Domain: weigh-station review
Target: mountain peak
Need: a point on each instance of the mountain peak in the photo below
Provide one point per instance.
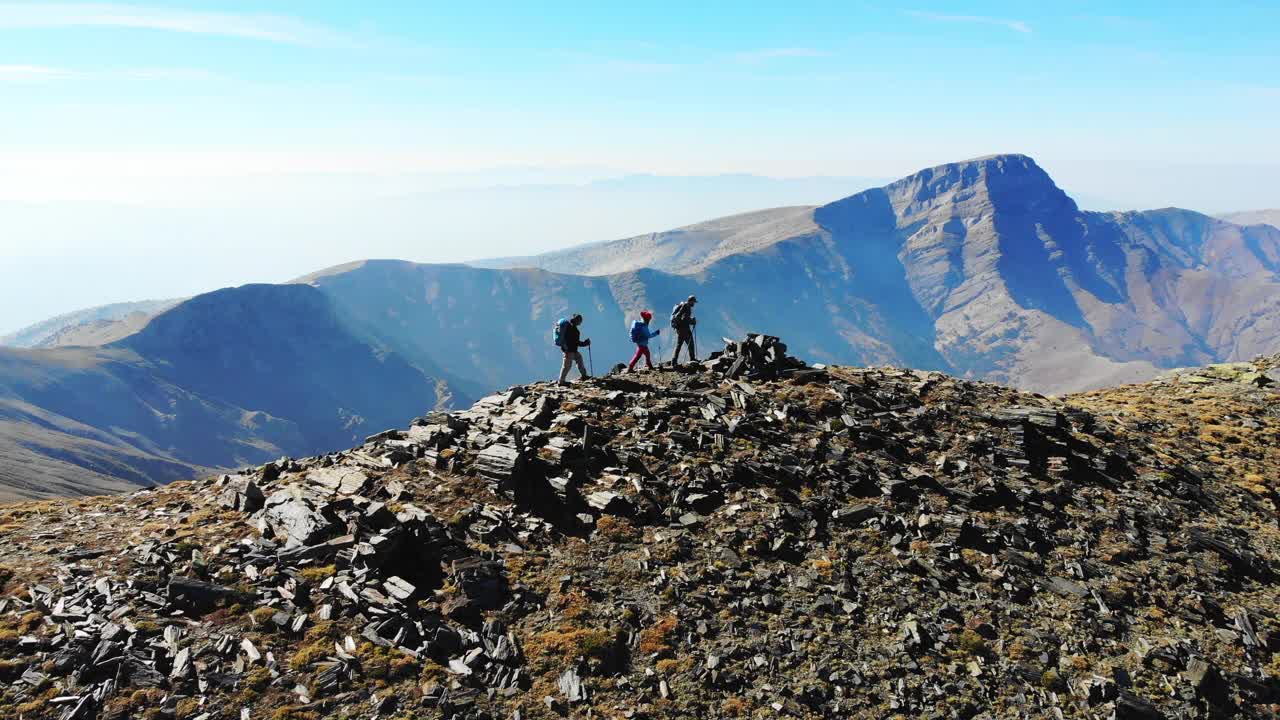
(987, 168)
(1018, 158)
(1011, 183)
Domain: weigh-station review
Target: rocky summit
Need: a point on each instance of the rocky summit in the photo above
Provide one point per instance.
(750, 536)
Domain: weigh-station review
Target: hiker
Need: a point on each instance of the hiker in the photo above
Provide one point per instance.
(641, 335)
(569, 339)
(683, 321)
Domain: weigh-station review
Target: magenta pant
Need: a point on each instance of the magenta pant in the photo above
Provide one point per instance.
(642, 351)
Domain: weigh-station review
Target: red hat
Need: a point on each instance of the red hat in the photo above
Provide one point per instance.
(645, 314)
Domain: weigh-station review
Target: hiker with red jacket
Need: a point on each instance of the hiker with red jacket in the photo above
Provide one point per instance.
(641, 335)
(683, 321)
(569, 338)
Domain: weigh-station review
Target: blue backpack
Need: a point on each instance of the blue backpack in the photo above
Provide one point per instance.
(558, 329)
(639, 331)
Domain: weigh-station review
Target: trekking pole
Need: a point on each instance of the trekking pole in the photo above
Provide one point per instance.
(591, 362)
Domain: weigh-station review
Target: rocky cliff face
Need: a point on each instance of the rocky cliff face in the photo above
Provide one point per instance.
(748, 537)
(1022, 287)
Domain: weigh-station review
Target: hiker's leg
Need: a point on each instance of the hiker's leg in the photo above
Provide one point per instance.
(675, 357)
(648, 359)
(582, 368)
(564, 367)
(641, 351)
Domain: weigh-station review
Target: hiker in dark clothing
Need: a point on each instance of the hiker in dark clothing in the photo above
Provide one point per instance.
(683, 321)
(570, 341)
(641, 335)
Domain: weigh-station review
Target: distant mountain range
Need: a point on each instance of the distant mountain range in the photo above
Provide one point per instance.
(95, 326)
(983, 268)
(684, 250)
(1254, 217)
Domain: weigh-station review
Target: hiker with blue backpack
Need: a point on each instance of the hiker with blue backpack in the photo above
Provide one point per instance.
(568, 338)
(641, 335)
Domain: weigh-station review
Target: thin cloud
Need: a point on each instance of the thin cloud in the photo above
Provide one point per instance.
(624, 65)
(766, 54)
(177, 73)
(713, 62)
(44, 74)
(1015, 25)
(255, 26)
(33, 73)
(640, 67)
(1122, 22)
(1259, 91)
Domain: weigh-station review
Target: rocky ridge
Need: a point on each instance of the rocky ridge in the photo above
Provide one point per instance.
(746, 537)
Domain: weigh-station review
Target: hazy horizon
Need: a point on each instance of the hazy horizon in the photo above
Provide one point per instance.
(166, 148)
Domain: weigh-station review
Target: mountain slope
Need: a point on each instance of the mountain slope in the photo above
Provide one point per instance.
(851, 542)
(43, 454)
(685, 250)
(281, 350)
(490, 326)
(234, 377)
(495, 325)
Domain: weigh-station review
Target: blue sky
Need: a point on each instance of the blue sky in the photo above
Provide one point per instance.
(665, 87)
(123, 123)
